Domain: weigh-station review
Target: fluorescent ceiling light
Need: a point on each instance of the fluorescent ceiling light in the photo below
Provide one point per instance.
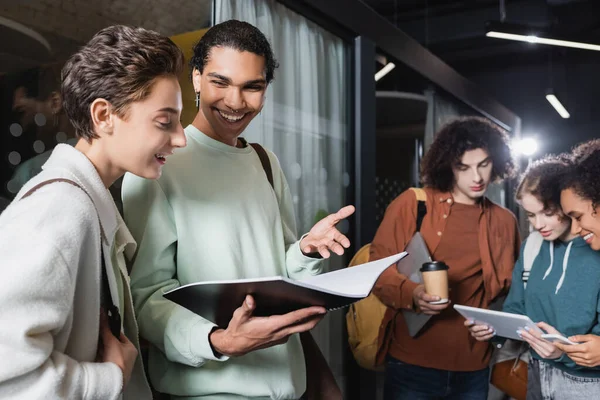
(524, 34)
(560, 109)
(383, 71)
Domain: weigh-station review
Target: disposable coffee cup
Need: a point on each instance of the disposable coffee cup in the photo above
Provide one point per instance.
(435, 279)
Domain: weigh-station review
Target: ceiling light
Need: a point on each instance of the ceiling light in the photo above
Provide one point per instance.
(526, 146)
(383, 71)
(560, 109)
(527, 34)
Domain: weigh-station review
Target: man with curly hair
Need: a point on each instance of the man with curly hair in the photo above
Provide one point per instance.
(476, 238)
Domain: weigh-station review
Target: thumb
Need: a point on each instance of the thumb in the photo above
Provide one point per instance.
(580, 338)
(105, 331)
(249, 305)
(343, 213)
(124, 339)
(560, 346)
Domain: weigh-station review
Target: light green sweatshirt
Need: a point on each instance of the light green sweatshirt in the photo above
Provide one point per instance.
(212, 215)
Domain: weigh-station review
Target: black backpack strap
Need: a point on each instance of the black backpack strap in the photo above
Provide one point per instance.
(421, 205)
(264, 160)
(421, 211)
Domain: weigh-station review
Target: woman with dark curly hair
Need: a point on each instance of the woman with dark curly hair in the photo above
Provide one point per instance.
(555, 282)
(579, 199)
(476, 238)
(581, 192)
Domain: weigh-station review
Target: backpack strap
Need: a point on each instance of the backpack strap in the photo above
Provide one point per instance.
(319, 375)
(264, 160)
(112, 311)
(533, 244)
(421, 205)
(49, 181)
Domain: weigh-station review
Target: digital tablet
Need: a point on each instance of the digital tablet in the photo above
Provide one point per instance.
(505, 324)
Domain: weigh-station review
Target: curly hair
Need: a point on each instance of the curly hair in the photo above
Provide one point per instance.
(459, 136)
(583, 177)
(119, 64)
(237, 35)
(541, 179)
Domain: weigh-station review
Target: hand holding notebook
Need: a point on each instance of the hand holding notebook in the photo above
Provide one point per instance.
(246, 333)
(217, 301)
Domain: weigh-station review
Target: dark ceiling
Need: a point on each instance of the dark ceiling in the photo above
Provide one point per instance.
(517, 74)
(455, 30)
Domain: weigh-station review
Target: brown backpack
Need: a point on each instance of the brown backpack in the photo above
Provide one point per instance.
(364, 318)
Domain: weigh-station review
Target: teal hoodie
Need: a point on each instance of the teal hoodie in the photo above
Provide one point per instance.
(563, 290)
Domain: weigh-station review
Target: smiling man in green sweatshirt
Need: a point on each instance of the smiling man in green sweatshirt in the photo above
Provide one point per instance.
(214, 215)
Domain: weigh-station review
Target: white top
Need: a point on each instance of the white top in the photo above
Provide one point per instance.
(50, 287)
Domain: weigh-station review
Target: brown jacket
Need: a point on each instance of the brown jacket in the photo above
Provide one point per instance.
(499, 243)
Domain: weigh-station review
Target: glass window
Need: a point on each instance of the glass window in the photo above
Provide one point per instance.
(37, 38)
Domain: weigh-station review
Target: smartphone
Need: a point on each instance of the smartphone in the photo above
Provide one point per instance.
(553, 337)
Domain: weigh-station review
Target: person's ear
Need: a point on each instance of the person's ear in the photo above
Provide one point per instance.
(196, 80)
(102, 116)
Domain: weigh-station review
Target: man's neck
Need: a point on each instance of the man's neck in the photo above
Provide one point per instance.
(201, 123)
(461, 198)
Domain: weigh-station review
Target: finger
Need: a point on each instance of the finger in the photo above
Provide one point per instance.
(294, 317)
(548, 328)
(309, 248)
(335, 247)
(481, 329)
(124, 339)
(304, 326)
(484, 337)
(542, 347)
(343, 213)
(528, 337)
(324, 252)
(581, 338)
(562, 347)
(533, 333)
(106, 333)
(545, 348)
(565, 349)
(428, 297)
(434, 307)
(341, 238)
(249, 302)
(333, 219)
(539, 350)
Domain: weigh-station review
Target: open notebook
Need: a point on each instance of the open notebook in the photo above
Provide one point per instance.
(217, 300)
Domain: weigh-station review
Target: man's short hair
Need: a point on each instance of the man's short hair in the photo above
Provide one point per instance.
(459, 136)
(119, 64)
(238, 35)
